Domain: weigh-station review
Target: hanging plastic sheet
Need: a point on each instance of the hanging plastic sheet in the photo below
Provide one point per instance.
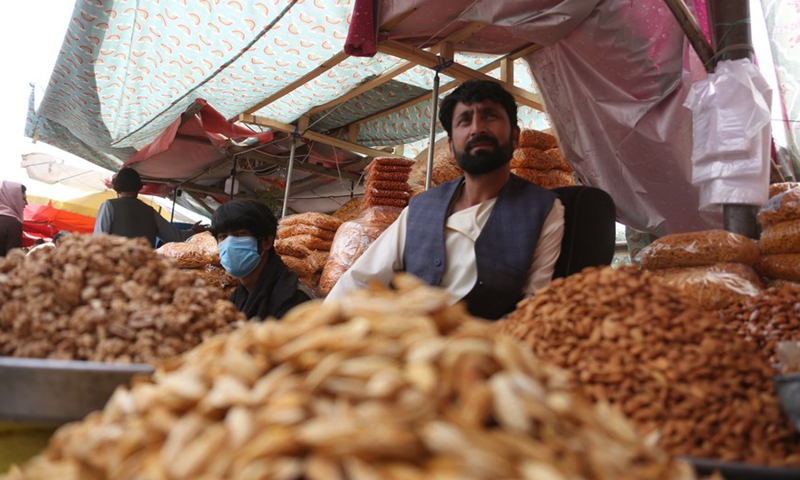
(731, 124)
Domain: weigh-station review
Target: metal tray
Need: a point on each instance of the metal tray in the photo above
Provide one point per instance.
(788, 387)
(58, 391)
(741, 471)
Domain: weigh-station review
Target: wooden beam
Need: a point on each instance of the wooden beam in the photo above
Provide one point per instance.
(316, 72)
(521, 52)
(352, 133)
(364, 87)
(693, 32)
(317, 137)
(455, 37)
(458, 71)
(507, 71)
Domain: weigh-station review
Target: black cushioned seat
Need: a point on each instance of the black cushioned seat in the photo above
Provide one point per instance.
(589, 229)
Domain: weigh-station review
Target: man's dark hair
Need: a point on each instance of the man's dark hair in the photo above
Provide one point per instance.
(127, 180)
(473, 91)
(61, 234)
(247, 214)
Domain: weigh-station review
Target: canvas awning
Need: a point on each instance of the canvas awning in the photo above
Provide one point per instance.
(613, 75)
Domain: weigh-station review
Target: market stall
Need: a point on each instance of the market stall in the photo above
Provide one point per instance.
(395, 384)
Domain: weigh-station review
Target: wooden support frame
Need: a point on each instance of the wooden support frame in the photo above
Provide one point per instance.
(460, 72)
(316, 72)
(693, 32)
(451, 85)
(388, 75)
(317, 137)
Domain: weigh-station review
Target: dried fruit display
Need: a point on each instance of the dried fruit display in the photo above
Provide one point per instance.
(678, 372)
(768, 318)
(384, 384)
(108, 299)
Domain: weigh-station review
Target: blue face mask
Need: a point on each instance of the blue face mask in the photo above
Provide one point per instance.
(239, 255)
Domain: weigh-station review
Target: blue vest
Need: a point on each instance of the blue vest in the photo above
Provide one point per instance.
(503, 251)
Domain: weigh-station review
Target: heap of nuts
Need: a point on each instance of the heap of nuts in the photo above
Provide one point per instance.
(771, 317)
(381, 385)
(108, 299)
(679, 373)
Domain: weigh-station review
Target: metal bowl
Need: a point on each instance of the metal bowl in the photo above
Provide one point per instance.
(741, 471)
(58, 391)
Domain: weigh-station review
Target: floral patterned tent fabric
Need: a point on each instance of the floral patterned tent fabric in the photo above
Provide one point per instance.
(128, 69)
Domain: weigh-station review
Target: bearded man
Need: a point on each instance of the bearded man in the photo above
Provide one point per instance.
(489, 237)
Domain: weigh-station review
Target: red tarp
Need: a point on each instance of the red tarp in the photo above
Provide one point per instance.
(43, 221)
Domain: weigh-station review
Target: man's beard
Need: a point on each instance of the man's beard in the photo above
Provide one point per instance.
(484, 161)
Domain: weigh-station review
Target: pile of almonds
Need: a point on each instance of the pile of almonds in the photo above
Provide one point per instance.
(105, 298)
(381, 385)
(679, 373)
(771, 317)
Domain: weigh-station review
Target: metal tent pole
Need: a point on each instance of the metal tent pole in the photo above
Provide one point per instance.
(174, 198)
(432, 138)
(730, 29)
(289, 177)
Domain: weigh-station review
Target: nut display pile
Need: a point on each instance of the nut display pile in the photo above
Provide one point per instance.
(771, 317)
(108, 299)
(676, 371)
(382, 385)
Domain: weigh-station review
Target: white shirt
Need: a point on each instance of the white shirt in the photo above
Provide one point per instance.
(385, 256)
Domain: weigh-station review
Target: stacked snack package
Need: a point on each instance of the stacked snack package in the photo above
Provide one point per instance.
(445, 168)
(539, 160)
(303, 243)
(714, 267)
(386, 184)
(780, 237)
(351, 240)
(200, 255)
(350, 210)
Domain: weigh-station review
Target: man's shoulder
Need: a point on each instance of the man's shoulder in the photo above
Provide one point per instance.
(436, 191)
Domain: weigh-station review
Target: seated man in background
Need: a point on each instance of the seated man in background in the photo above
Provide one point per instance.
(489, 237)
(130, 217)
(245, 231)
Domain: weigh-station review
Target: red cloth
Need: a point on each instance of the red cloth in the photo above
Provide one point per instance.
(361, 40)
(44, 221)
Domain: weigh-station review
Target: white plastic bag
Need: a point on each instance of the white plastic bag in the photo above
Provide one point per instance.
(731, 134)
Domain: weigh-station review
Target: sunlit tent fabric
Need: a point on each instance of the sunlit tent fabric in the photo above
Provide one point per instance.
(612, 75)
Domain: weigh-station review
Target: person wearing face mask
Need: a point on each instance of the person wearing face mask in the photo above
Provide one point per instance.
(12, 204)
(489, 237)
(245, 233)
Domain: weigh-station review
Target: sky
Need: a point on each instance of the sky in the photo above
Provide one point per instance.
(31, 33)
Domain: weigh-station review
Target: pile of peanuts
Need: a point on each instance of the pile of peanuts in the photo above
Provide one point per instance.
(105, 298)
(772, 316)
(679, 373)
(380, 385)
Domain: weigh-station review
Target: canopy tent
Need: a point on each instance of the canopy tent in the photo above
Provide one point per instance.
(613, 74)
(88, 205)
